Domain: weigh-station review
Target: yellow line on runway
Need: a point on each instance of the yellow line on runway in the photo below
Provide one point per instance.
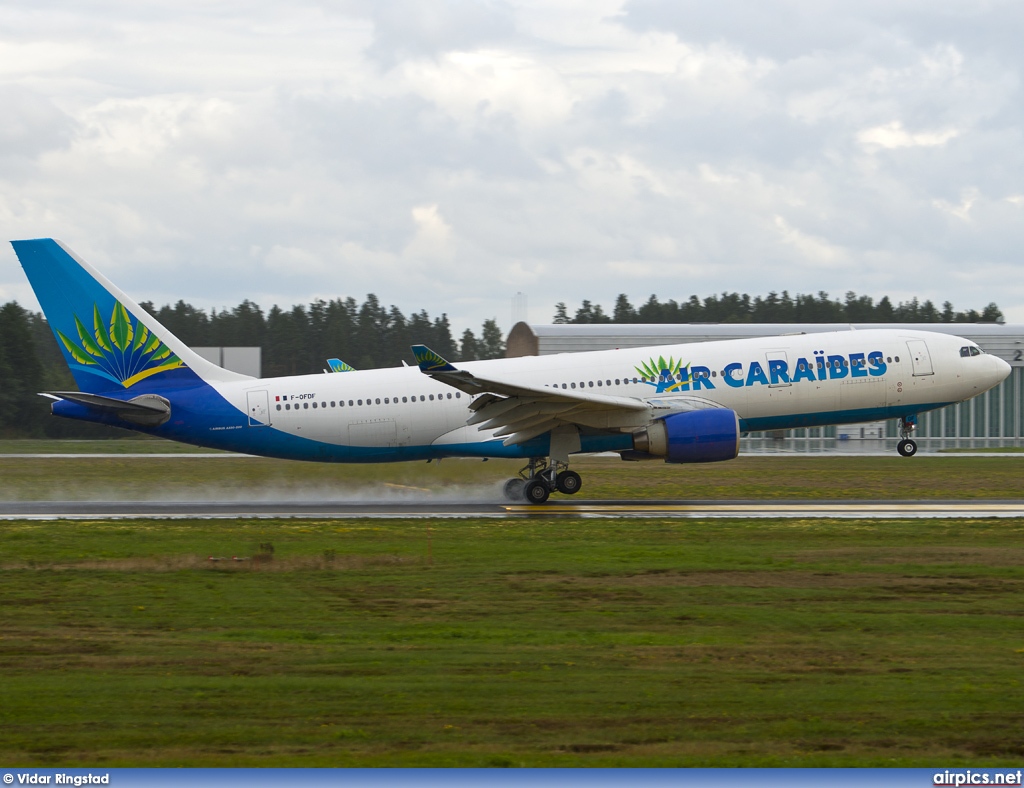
(790, 510)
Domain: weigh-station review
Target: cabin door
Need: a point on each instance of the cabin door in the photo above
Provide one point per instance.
(779, 373)
(919, 357)
(259, 408)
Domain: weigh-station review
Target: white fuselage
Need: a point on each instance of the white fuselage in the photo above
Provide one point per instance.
(771, 383)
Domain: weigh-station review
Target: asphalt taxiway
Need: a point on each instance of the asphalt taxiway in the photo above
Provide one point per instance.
(111, 510)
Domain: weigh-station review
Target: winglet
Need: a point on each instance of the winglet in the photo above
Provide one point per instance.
(430, 361)
(337, 365)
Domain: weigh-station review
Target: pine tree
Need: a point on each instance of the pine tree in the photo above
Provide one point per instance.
(469, 349)
(491, 343)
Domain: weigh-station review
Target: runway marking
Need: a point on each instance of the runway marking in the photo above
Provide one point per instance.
(758, 508)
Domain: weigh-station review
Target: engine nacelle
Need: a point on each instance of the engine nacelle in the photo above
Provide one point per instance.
(708, 435)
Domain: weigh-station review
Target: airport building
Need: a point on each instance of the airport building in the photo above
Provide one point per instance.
(244, 360)
(996, 418)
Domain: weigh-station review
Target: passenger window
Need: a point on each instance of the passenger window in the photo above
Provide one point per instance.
(599, 383)
(449, 395)
(617, 382)
(431, 397)
(591, 384)
(573, 385)
(386, 401)
(458, 395)
(360, 402)
(563, 386)
(897, 359)
(423, 399)
(350, 403)
(332, 403)
(405, 399)
(279, 407)
(305, 406)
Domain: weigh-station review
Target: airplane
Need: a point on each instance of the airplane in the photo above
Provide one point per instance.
(682, 404)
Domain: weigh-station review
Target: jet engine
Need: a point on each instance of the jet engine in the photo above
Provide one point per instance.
(708, 435)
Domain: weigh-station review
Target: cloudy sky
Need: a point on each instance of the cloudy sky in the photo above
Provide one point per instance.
(445, 155)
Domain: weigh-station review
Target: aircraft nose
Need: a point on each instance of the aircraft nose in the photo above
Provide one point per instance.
(1001, 370)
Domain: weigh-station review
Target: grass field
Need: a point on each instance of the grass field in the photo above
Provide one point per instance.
(513, 642)
(135, 444)
(791, 477)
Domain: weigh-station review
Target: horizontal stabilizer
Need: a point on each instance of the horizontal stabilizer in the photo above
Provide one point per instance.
(147, 410)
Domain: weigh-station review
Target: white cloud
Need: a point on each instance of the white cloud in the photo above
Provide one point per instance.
(811, 249)
(893, 135)
(433, 239)
(961, 210)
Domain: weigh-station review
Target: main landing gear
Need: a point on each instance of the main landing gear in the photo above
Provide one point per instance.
(539, 479)
(907, 447)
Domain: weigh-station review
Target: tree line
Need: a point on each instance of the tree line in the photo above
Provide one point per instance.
(775, 308)
(300, 340)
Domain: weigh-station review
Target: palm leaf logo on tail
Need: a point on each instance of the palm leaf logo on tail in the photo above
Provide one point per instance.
(119, 348)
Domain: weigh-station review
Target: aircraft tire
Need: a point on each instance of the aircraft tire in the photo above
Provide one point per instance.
(906, 448)
(536, 491)
(568, 482)
(513, 489)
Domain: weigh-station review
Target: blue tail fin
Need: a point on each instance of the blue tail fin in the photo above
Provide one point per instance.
(337, 365)
(109, 342)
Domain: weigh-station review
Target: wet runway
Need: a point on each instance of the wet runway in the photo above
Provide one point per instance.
(112, 510)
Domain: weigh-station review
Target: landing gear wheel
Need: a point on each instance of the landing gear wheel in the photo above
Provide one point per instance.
(514, 489)
(568, 482)
(536, 491)
(906, 448)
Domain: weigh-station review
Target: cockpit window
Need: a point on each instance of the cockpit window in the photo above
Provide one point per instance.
(970, 350)
(965, 351)
(975, 351)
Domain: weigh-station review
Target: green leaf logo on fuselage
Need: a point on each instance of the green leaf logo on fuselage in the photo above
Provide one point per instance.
(665, 375)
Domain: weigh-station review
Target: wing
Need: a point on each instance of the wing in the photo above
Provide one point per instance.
(518, 413)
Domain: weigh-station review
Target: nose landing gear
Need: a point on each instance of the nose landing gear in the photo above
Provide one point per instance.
(907, 447)
(539, 479)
